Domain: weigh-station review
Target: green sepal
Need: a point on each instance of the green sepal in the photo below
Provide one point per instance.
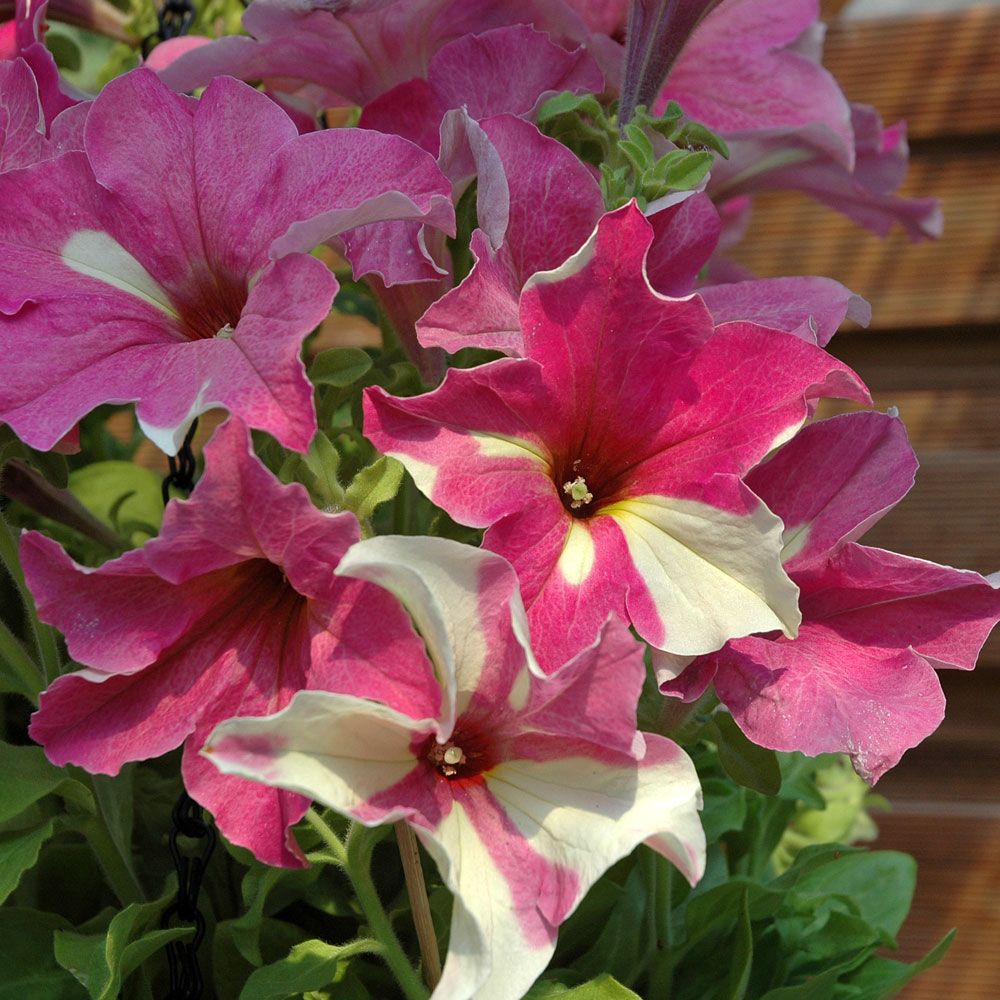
(568, 103)
(374, 485)
(339, 367)
(604, 987)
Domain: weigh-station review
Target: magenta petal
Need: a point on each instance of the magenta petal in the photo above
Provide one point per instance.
(685, 235)
(822, 695)
(592, 698)
(154, 617)
(553, 204)
(740, 72)
(834, 480)
(22, 124)
(509, 70)
(811, 308)
(257, 817)
(883, 600)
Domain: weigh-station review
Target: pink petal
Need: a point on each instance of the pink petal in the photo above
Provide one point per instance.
(811, 308)
(554, 203)
(834, 480)
(820, 694)
(685, 235)
(740, 73)
(886, 601)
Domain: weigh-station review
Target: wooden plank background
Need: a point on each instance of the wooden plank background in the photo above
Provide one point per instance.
(933, 351)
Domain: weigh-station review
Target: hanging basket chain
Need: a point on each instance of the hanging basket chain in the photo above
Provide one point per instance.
(187, 818)
(182, 956)
(173, 19)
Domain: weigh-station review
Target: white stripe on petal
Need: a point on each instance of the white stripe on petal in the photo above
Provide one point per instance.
(712, 575)
(96, 254)
(335, 749)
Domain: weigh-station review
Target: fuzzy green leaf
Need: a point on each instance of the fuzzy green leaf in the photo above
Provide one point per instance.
(374, 485)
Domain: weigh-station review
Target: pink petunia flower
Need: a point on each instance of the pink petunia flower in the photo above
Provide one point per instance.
(751, 70)
(229, 611)
(860, 676)
(537, 204)
(167, 262)
(351, 53)
(606, 463)
(523, 790)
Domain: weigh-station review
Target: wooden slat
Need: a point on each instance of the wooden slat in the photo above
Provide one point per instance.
(955, 280)
(958, 885)
(940, 72)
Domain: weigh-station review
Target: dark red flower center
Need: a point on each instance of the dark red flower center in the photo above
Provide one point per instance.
(215, 308)
(470, 752)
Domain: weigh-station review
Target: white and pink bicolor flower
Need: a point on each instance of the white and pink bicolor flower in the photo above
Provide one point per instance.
(860, 676)
(229, 611)
(167, 261)
(523, 789)
(606, 462)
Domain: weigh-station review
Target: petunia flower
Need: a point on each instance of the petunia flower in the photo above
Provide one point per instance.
(860, 676)
(751, 70)
(167, 262)
(523, 790)
(800, 160)
(229, 611)
(606, 463)
(538, 204)
(22, 39)
(351, 53)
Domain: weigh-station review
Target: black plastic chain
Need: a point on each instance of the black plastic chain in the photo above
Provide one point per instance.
(182, 466)
(182, 956)
(187, 819)
(173, 19)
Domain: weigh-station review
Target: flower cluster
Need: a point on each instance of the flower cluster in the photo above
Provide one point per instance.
(631, 423)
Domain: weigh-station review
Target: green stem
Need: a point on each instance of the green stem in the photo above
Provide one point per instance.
(22, 665)
(661, 977)
(119, 873)
(45, 642)
(355, 859)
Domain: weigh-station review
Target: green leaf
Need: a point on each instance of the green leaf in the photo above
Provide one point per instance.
(30, 970)
(265, 891)
(798, 778)
(567, 103)
(117, 491)
(624, 932)
(725, 807)
(374, 485)
(689, 172)
(694, 134)
(740, 957)
(340, 367)
(104, 961)
(311, 965)
(879, 884)
(821, 987)
(19, 850)
(745, 762)
(883, 977)
(28, 776)
(604, 987)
